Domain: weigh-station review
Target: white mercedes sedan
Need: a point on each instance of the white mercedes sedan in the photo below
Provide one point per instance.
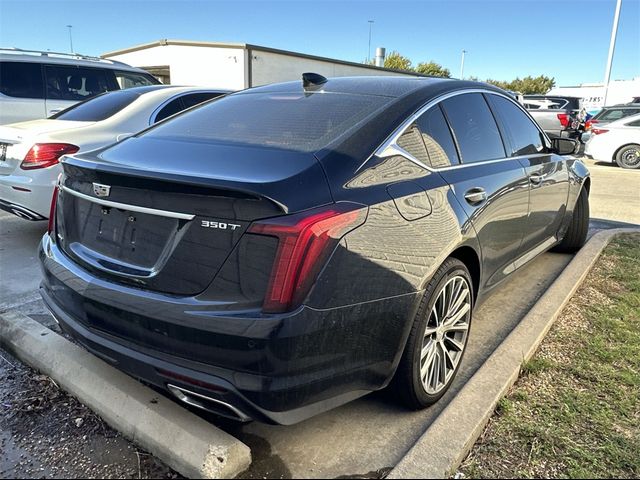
(30, 151)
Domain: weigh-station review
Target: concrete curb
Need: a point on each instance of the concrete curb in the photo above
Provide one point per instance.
(185, 442)
(441, 449)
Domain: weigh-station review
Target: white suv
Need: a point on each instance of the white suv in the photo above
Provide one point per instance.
(37, 84)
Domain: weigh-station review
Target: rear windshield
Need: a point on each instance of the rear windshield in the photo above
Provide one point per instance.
(98, 108)
(613, 114)
(292, 121)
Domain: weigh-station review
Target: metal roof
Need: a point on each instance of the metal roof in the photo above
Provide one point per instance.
(38, 56)
(248, 46)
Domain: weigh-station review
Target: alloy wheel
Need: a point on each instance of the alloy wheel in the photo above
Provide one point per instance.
(445, 335)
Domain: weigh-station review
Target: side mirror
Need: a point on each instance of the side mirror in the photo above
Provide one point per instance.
(564, 146)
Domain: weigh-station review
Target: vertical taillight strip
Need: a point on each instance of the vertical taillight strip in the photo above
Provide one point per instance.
(305, 242)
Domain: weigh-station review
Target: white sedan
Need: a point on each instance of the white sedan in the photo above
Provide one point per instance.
(617, 141)
(30, 151)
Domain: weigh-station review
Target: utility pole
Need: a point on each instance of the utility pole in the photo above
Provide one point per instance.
(612, 47)
(462, 65)
(369, 51)
(70, 38)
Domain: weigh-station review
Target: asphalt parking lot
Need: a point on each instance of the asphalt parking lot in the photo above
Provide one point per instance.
(369, 436)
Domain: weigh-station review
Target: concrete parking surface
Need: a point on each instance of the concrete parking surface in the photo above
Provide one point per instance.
(368, 436)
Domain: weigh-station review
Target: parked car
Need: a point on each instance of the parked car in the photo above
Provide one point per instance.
(612, 114)
(36, 84)
(617, 142)
(289, 248)
(30, 151)
(556, 115)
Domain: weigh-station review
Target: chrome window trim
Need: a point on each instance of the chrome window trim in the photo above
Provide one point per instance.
(390, 146)
(154, 114)
(126, 206)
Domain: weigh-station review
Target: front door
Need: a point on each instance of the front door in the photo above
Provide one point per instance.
(492, 188)
(546, 172)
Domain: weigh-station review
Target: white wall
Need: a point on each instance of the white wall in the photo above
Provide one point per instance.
(221, 67)
(620, 91)
(271, 67)
(191, 65)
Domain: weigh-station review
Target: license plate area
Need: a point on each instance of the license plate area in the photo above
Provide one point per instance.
(3, 152)
(118, 239)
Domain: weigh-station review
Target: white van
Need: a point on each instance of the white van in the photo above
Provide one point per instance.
(36, 84)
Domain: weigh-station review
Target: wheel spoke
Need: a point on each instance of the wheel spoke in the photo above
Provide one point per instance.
(462, 297)
(427, 355)
(445, 335)
(458, 287)
(459, 327)
(443, 301)
(432, 372)
(436, 317)
(442, 365)
(459, 314)
(429, 331)
(459, 346)
(447, 353)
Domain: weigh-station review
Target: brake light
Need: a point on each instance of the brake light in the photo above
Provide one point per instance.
(598, 131)
(43, 155)
(564, 119)
(52, 210)
(305, 242)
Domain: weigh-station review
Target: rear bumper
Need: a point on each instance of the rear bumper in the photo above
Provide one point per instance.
(277, 368)
(28, 196)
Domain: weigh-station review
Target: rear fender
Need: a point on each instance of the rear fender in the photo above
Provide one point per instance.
(579, 179)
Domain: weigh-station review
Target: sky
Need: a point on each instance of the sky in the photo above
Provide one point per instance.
(564, 39)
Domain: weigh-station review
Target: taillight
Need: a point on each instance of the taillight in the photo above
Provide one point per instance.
(52, 210)
(564, 119)
(598, 131)
(43, 155)
(305, 242)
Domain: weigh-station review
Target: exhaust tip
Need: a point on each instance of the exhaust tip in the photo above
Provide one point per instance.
(208, 404)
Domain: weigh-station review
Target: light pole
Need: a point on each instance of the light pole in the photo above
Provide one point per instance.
(612, 47)
(369, 51)
(462, 65)
(70, 39)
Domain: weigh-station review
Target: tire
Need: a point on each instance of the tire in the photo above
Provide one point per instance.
(576, 235)
(414, 390)
(629, 156)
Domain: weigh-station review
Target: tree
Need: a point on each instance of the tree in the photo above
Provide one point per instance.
(433, 68)
(398, 62)
(527, 85)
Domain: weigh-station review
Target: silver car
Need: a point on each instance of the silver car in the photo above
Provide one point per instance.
(30, 151)
(36, 84)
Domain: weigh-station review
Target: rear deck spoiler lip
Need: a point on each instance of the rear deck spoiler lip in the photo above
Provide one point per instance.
(98, 165)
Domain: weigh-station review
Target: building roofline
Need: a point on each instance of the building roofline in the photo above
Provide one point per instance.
(248, 46)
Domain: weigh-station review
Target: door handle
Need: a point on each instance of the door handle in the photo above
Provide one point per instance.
(475, 196)
(536, 179)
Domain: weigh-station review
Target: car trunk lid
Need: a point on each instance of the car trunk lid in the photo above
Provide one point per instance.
(146, 213)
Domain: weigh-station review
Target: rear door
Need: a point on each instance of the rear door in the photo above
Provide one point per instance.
(492, 188)
(546, 171)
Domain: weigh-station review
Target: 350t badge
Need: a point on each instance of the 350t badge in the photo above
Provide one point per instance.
(219, 225)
